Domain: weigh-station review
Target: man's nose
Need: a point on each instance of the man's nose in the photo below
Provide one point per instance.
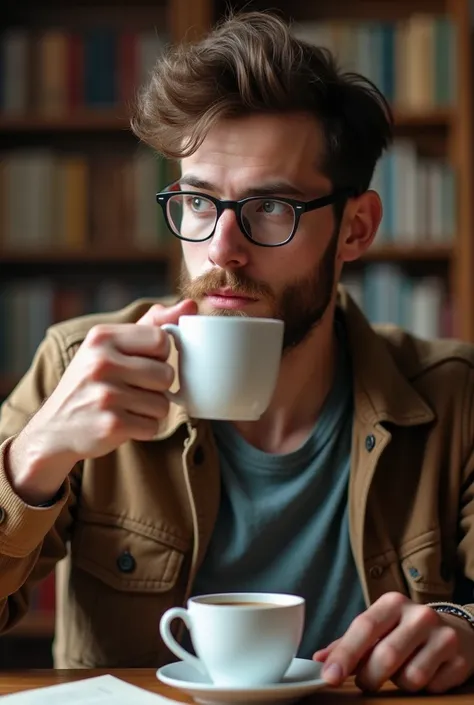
(228, 247)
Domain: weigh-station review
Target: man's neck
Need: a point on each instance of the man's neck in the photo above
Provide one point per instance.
(305, 379)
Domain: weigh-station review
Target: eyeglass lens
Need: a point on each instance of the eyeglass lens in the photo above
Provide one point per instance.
(267, 221)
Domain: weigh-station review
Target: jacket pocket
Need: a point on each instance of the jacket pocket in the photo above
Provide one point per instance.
(121, 583)
(428, 573)
(126, 560)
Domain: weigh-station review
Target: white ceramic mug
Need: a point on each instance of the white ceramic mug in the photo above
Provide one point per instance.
(241, 639)
(228, 366)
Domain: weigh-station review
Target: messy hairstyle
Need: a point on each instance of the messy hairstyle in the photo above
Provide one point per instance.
(251, 63)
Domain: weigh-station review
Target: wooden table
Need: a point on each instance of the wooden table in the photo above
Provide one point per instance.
(16, 681)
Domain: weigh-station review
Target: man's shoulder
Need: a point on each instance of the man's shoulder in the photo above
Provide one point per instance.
(73, 331)
(418, 357)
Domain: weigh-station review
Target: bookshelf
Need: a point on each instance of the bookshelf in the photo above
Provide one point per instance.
(62, 122)
(441, 132)
(113, 121)
(95, 254)
(81, 121)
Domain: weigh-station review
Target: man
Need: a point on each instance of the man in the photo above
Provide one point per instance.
(356, 487)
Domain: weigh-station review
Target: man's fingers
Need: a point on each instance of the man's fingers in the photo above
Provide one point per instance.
(389, 656)
(158, 315)
(146, 338)
(143, 403)
(449, 675)
(127, 338)
(420, 669)
(144, 373)
(362, 635)
(322, 654)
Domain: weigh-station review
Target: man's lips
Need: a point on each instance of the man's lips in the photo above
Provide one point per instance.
(226, 298)
(229, 294)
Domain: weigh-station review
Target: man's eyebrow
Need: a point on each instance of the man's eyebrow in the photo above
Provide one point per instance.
(271, 189)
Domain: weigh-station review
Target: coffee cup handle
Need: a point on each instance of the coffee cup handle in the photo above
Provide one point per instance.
(170, 641)
(173, 330)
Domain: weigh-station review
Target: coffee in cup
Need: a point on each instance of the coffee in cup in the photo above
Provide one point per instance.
(240, 639)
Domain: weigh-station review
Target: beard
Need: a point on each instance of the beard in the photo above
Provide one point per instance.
(301, 304)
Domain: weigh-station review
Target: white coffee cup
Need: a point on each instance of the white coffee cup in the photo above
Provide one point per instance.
(241, 639)
(228, 366)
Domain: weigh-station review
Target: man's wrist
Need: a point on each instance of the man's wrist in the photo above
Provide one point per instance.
(35, 476)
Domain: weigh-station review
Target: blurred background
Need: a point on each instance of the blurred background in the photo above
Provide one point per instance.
(79, 227)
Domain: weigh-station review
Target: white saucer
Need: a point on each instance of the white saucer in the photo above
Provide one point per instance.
(302, 677)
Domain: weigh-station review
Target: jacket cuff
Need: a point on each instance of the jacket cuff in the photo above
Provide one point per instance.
(470, 609)
(462, 611)
(23, 527)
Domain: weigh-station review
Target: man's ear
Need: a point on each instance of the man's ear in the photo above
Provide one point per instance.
(360, 223)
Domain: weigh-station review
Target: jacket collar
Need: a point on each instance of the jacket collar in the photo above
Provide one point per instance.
(381, 391)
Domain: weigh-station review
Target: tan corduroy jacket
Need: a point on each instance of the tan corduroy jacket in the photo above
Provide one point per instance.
(133, 526)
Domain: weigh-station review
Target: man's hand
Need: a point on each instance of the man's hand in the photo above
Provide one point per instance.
(113, 391)
(410, 644)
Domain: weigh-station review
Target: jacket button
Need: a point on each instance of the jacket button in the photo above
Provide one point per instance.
(3, 515)
(376, 571)
(370, 442)
(126, 562)
(198, 456)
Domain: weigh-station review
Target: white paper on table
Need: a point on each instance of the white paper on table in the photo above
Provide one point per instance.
(99, 690)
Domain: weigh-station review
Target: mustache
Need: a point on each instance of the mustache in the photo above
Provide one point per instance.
(238, 283)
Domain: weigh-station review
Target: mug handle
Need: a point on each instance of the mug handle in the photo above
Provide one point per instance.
(173, 330)
(172, 644)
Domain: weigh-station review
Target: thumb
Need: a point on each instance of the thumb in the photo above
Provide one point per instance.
(158, 314)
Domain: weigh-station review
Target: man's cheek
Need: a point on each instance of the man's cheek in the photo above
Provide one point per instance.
(194, 260)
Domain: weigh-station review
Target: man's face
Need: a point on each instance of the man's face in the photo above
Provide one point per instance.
(228, 274)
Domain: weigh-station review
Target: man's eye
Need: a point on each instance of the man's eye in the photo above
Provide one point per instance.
(273, 207)
(198, 204)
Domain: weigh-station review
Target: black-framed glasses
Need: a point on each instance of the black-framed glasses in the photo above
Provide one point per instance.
(265, 221)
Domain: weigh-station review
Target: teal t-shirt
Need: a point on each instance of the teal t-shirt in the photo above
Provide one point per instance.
(283, 520)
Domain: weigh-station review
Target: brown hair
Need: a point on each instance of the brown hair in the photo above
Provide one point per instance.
(252, 63)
